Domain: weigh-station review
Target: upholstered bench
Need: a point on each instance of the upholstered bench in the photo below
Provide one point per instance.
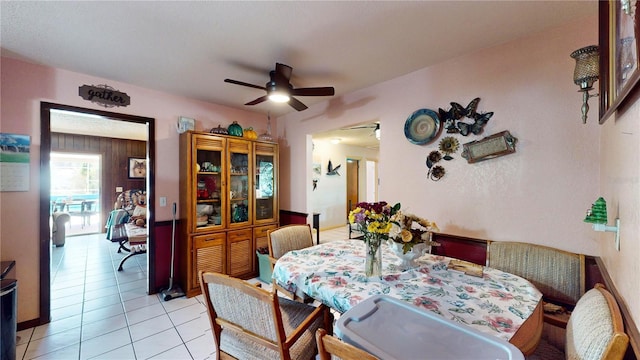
(558, 274)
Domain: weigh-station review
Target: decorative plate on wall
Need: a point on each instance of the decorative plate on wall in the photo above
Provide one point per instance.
(422, 127)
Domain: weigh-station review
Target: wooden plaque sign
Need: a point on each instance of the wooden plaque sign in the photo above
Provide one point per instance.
(104, 95)
(499, 144)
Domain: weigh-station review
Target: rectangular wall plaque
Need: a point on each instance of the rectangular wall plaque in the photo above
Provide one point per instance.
(492, 146)
(104, 95)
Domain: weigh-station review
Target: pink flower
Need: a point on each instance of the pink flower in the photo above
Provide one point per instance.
(469, 289)
(393, 277)
(501, 295)
(354, 300)
(315, 279)
(502, 324)
(337, 282)
(426, 303)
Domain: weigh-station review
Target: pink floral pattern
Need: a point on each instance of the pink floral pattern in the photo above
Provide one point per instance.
(333, 273)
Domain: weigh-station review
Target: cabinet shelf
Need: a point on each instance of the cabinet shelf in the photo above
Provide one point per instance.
(208, 201)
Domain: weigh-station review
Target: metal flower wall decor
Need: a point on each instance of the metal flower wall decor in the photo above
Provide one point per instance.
(424, 126)
(448, 145)
(454, 121)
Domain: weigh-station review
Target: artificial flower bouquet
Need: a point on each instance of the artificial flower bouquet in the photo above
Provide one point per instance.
(409, 230)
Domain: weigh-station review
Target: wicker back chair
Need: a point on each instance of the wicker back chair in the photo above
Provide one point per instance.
(595, 330)
(330, 347)
(285, 239)
(251, 323)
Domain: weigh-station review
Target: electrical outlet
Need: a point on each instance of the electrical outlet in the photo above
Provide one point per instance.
(118, 189)
(163, 201)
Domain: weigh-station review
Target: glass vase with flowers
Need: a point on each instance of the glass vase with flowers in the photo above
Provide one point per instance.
(374, 221)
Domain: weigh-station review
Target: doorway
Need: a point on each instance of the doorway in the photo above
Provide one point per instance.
(107, 119)
(353, 180)
(75, 189)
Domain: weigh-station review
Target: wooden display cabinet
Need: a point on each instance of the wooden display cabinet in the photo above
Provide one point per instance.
(228, 201)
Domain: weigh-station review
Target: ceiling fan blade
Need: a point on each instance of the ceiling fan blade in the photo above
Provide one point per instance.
(244, 84)
(314, 91)
(296, 104)
(258, 100)
(360, 127)
(284, 71)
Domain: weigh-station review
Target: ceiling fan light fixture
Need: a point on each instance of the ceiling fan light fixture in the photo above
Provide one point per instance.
(279, 97)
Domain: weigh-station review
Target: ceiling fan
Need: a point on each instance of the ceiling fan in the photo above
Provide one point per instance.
(375, 127)
(279, 89)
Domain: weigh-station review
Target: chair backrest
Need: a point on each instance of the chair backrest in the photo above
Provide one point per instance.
(241, 307)
(558, 274)
(595, 329)
(329, 345)
(287, 238)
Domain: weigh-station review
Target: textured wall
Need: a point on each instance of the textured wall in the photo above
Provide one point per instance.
(539, 194)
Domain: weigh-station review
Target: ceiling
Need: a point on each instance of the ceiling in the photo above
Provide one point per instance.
(188, 48)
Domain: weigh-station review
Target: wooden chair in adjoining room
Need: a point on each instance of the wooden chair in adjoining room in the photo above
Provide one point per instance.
(284, 239)
(595, 331)
(249, 322)
(329, 345)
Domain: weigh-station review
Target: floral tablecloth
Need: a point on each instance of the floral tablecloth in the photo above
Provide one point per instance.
(333, 273)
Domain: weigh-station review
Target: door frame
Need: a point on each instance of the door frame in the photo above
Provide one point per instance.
(45, 192)
(351, 162)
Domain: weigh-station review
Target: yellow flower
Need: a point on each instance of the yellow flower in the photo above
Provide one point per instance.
(406, 235)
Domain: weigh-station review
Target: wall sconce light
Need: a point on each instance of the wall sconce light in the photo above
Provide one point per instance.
(597, 216)
(586, 73)
(376, 132)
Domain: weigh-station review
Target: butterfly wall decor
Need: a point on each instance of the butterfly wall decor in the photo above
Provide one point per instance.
(453, 117)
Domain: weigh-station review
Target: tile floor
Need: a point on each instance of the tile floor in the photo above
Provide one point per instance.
(98, 312)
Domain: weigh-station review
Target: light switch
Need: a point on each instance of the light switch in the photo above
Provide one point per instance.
(163, 201)
(118, 189)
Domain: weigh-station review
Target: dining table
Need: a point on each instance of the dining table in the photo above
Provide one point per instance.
(496, 302)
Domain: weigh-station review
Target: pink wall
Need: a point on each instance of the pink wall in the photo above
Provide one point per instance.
(24, 86)
(539, 194)
(619, 178)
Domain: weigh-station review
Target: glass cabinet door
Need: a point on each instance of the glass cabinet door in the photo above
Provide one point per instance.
(239, 170)
(207, 188)
(265, 188)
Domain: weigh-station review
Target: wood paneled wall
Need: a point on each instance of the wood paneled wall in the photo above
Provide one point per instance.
(115, 162)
